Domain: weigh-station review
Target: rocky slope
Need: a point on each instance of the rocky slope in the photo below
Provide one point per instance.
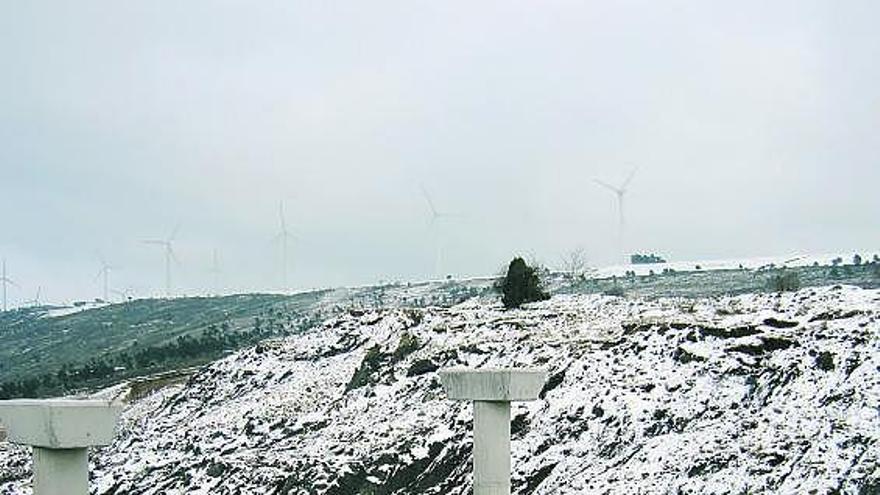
(749, 394)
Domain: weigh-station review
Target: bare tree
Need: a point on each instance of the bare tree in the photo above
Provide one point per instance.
(574, 264)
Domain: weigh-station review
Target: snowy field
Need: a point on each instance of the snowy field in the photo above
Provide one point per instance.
(755, 263)
(751, 394)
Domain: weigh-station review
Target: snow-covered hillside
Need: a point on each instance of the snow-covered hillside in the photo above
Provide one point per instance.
(751, 394)
(754, 263)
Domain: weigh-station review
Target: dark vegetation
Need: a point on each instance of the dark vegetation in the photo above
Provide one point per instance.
(96, 348)
(182, 351)
(521, 285)
(784, 281)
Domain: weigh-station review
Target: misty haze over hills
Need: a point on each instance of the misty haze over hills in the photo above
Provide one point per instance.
(752, 124)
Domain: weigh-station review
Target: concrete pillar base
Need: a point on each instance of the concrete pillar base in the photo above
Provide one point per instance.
(491, 448)
(61, 432)
(61, 471)
(492, 391)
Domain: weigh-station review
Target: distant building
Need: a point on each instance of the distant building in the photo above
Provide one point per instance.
(646, 259)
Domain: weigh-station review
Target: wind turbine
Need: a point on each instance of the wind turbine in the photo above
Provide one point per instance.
(283, 237)
(125, 294)
(104, 272)
(5, 281)
(168, 248)
(621, 193)
(36, 300)
(215, 271)
(436, 215)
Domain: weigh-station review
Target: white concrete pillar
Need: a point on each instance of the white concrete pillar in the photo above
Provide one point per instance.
(61, 432)
(58, 471)
(492, 391)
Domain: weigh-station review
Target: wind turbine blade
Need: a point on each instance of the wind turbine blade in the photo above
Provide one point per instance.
(174, 233)
(629, 178)
(155, 242)
(173, 256)
(428, 199)
(281, 217)
(606, 185)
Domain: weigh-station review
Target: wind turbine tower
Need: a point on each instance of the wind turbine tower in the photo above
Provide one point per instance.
(104, 272)
(215, 271)
(436, 216)
(283, 237)
(125, 294)
(5, 281)
(35, 302)
(621, 194)
(167, 246)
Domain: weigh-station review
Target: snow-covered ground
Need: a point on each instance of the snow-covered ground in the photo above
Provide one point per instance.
(760, 393)
(790, 261)
(59, 311)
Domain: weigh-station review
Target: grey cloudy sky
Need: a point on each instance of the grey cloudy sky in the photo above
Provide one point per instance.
(754, 124)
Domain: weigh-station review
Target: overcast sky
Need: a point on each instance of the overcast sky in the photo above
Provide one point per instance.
(754, 125)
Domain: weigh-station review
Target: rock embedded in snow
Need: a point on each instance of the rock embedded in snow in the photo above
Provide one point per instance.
(750, 394)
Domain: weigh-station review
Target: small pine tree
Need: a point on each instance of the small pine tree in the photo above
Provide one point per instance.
(521, 285)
